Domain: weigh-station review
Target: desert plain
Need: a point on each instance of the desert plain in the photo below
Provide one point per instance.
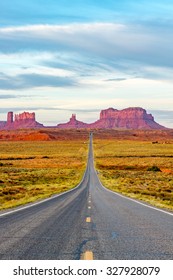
(38, 163)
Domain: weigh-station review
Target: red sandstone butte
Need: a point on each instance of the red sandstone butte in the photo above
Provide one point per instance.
(23, 120)
(25, 116)
(130, 118)
(73, 123)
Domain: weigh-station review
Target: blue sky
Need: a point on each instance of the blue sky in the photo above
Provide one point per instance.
(60, 57)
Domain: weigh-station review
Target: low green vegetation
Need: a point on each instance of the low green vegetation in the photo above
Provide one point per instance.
(137, 169)
(36, 170)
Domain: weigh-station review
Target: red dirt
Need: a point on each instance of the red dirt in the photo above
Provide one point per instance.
(155, 136)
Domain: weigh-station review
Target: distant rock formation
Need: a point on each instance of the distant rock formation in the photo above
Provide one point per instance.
(25, 116)
(9, 117)
(23, 120)
(73, 123)
(130, 118)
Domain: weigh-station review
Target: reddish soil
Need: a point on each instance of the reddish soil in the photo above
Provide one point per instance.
(155, 136)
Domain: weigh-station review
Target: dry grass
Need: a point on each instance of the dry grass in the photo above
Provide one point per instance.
(129, 167)
(35, 170)
(31, 170)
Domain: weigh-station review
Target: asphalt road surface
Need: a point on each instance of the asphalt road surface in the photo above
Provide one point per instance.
(87, 222)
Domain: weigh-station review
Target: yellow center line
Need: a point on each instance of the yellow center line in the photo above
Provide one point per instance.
(88, 255)
(88, 220)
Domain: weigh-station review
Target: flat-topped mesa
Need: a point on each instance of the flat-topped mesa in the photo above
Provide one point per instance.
(73, 123)
(25, 116)
(129, 118)
(128, 113)
(23, 120)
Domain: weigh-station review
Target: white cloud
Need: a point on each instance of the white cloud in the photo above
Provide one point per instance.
(109, 40)
(125, 48)
(70, 28)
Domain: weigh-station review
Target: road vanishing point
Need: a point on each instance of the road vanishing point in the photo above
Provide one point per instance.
(88, 222)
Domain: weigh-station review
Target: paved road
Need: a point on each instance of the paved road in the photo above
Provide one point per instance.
(88, 219)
